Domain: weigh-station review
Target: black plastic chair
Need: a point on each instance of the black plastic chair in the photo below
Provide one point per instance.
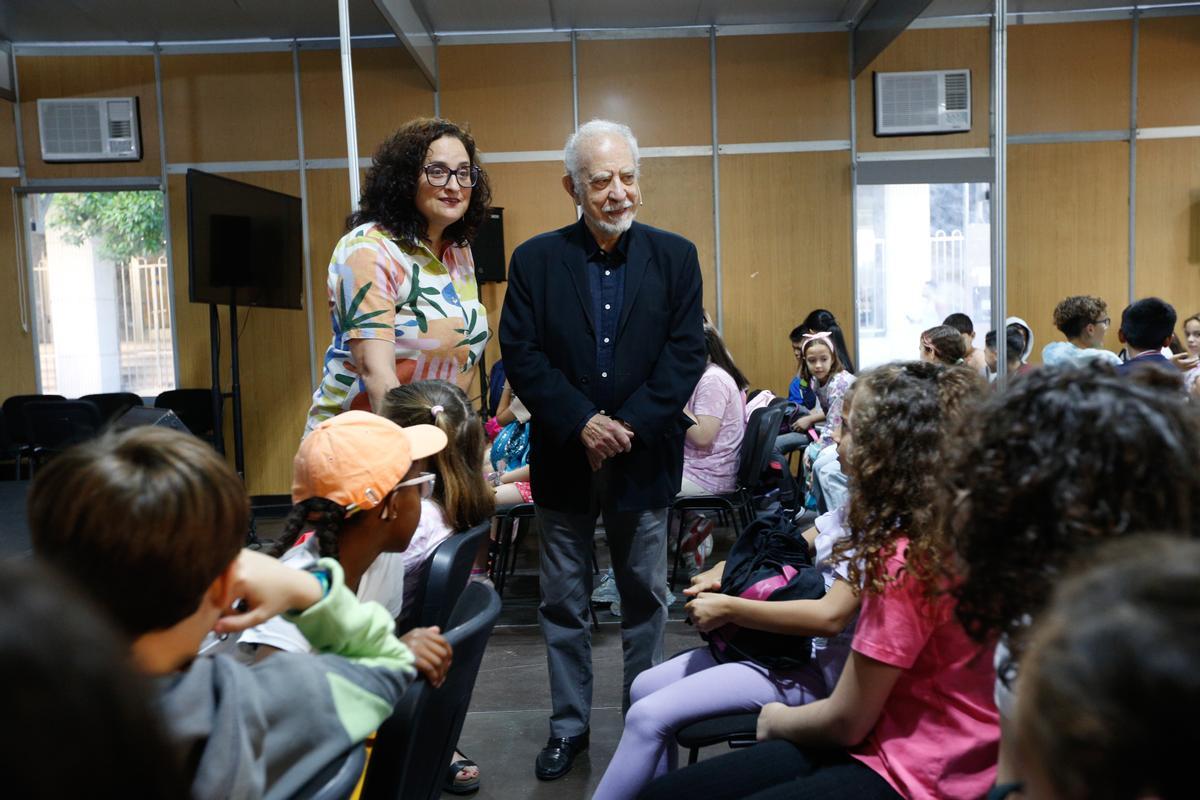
(738, 505)
(18, 427)
(194, 408)
(738, 730)
(505, 562)
(339, 779)
(113, 404)
(446, 575)
(56, 425)
(8, 450)
(414, 745)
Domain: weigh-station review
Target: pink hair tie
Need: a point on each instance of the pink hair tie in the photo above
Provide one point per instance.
(435, 410)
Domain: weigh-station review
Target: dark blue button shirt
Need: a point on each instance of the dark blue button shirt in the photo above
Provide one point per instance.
(606, 281)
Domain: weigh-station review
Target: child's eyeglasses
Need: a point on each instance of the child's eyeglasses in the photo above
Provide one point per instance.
(424, 483)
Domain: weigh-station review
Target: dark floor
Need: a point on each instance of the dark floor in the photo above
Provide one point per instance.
(509, 717)
(508, 720)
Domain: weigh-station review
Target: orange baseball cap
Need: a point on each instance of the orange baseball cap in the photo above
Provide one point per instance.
(356, 458)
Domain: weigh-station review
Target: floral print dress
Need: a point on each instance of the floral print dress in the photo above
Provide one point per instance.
(402, 293)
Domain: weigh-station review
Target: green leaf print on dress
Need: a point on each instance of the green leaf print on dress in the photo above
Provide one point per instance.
(347, 319)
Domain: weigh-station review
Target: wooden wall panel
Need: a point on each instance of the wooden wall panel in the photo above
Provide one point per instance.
(88, 76)
(513, 96)
(1168, 72)
(1069, 77)
(17, 374)
(946, 48)
(659, 87)
(1067, 231)
(229, 107)
(783, 88)
(8, 135)
(388, 90)
(534, 201)
(783, 253)
(273, 349)
(1168, 222)
(328, 207)
(677, 194)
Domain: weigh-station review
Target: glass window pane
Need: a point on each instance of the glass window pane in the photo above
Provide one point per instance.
(101, 292)
(924, 252)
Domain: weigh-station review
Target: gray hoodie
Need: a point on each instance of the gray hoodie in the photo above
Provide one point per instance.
(267, 729)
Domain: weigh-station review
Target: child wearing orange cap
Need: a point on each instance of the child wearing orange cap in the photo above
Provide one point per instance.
(349, 465)
(342, 467)
(150, 523)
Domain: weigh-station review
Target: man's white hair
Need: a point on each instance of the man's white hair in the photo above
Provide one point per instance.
(594, 129)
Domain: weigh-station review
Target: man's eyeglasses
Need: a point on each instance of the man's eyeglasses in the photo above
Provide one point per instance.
(424, 483)
(439, 175)
(1105, 321)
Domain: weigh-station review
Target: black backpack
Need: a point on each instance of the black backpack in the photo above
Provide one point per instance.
(769, 561)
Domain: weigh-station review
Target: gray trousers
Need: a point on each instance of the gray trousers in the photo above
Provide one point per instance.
(638, 543)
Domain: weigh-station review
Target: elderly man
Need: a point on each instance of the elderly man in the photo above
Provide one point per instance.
(602, 340)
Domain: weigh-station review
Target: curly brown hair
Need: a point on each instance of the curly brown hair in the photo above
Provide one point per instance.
(1062, 461)
(902, 416)
(390, 190)
(1075, 313)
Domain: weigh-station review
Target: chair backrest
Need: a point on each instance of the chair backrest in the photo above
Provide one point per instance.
(56, 425)
(113, 404)
(446, 575)
(14, 414)
(339, 779)
(759, 440)
(6, 442)
(413, 746)
(193, 406)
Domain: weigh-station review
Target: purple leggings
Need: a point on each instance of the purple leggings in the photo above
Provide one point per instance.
(690, 687)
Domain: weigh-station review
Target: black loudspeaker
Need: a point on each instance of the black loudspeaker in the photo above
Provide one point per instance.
(488, 248)
(146, 415)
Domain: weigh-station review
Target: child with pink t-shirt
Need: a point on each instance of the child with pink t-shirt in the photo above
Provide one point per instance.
(712, 446)
(912, 714)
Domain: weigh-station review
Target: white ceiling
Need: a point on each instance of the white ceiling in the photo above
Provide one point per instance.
(205, 20)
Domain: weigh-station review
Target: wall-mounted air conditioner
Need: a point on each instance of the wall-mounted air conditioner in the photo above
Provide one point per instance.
(90, 129)
(922, 102)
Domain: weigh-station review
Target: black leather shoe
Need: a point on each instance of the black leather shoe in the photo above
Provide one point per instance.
(558, 755)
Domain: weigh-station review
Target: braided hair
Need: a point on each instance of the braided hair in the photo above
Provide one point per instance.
(325, 518)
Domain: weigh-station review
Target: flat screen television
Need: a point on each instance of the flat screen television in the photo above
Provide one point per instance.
(245, 244)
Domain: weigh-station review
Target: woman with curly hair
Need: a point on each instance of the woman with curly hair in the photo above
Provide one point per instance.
(403, 299)
(911, 714)
(1099, 457)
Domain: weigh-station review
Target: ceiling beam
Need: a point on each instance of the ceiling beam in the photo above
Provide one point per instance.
(879, 27)
(405, 18)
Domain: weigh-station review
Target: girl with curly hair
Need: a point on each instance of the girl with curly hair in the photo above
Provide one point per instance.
(403, 299)
(911, 714)
(1099, 457)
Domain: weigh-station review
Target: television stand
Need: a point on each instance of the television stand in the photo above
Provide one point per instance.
(234, 395)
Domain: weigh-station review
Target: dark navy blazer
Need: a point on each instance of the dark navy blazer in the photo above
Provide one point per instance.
(547, 339)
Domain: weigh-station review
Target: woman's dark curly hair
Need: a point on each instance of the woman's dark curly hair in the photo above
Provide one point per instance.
(390, 192)
(1062, 461)
(902, 415)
